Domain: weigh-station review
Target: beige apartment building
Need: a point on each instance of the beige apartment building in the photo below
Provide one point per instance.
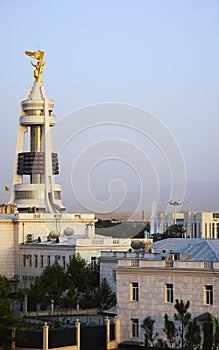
(148, 283)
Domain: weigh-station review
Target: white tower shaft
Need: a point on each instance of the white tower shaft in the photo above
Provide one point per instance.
(34, 188)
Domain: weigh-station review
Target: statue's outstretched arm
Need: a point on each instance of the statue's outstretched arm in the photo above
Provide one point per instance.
(34, 65)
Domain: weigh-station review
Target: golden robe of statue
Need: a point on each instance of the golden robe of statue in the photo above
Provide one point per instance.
(40, 63)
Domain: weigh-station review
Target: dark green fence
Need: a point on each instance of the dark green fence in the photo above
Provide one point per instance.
(62, 337)
(93, 338)
(31, 339)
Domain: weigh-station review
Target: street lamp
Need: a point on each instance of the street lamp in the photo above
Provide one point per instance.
(175, 204)
(52, 307)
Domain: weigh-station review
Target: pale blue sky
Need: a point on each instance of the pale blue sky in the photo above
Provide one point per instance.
(159, 55)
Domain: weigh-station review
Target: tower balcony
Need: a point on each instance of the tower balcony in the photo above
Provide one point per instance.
(30, 120)
(28, 196)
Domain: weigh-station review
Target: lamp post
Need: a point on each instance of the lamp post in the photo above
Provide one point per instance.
(52, 307)
(175, 204)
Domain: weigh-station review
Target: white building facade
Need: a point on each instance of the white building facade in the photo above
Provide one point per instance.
(196, 225)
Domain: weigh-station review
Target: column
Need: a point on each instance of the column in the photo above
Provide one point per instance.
(117, 329)
(45, 336)
(107, 321)
(78, 335)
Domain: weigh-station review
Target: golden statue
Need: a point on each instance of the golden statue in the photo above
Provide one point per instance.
(40, 63)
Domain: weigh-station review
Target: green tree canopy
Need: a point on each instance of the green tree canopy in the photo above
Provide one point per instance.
(77, 272)
(193, 337)
(92, 271)
(105, 298)
(183, 316)
(149, 334)
(50, 285)
(7, 319)
(170, 330)
(207, 329)
(64, 287)
(174, 231)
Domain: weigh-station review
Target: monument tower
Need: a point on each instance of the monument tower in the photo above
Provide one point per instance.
(39, 232)
(34, 187)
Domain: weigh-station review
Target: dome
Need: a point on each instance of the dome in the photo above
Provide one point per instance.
(53, 234)
(68, 231)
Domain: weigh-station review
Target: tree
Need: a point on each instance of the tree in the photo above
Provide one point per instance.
(161, 344)
(215, 345)
(71, 297)
(50, 285)
(173, 231)
(207, 329)
(137, 244)
(105, 298)
(7, 319)
(35, 294)
(215, 342)
(149, 335)
(106, 223)
(86, 301)
(20, 297)
(193, 338)
(77, 272)
(62, 287)
(183, 316)
(92, 271)
(170, 330)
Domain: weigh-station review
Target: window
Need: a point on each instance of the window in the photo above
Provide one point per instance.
(63, 262)
(217, 229)
(114, 275)
(48, 260)
(208, 264)
(30, 260)
(169, 293)
(24, 260)
(208, 295)
(29, 194)
(213, 230)
(175, 256)
(134, 291)
(134, 327)
(41, 261)
(116, 241)
(57, 258)
(93, 261)
(206, 230)
(36, 260)
(169, 263)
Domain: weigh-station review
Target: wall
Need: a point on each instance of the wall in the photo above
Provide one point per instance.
(7, 248)
(188, 284)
